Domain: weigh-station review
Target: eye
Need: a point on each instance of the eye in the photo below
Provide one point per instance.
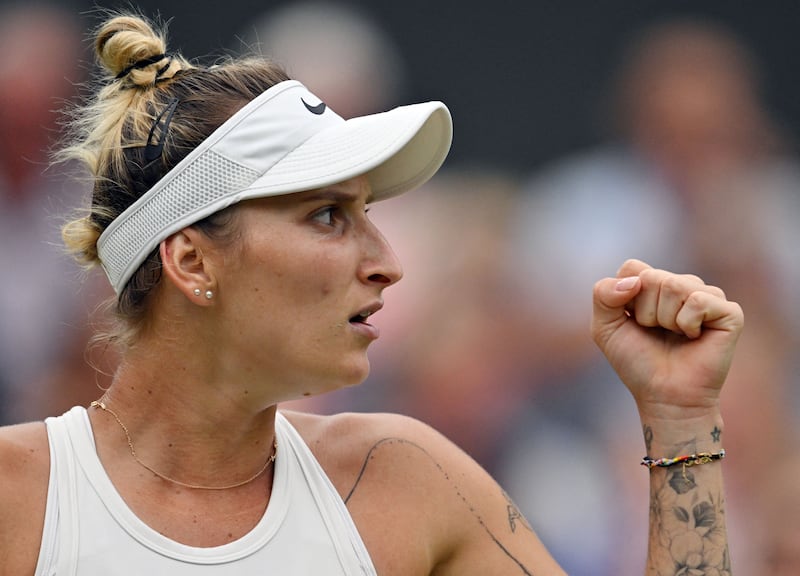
(326, 215)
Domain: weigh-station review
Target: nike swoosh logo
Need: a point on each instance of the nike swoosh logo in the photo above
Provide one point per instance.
(318, 109)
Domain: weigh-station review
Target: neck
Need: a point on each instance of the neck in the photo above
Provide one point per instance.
(197, 433)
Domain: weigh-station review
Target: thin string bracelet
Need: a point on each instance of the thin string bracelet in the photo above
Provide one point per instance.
(686, 461)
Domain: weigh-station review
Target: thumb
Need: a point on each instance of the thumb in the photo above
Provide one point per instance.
(611, 295)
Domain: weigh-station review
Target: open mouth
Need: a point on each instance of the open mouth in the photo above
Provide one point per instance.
(360, 324)
(360, 318)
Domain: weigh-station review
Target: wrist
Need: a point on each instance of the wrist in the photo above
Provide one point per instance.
(678, 409)
(671, 437)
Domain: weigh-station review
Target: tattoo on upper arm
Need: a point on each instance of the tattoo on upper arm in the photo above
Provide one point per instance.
(689, 534)
(514, 516)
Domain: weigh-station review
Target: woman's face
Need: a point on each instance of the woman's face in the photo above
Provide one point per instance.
(297, 293)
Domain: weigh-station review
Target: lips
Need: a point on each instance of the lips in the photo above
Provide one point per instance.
(360, 317)
(366, 312)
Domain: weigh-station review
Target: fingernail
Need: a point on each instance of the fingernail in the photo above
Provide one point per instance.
(627, 283)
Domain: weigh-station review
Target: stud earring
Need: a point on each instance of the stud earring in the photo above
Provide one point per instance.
(209, 294)
(197, 291)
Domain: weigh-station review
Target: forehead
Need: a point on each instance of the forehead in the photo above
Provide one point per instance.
(354, 190)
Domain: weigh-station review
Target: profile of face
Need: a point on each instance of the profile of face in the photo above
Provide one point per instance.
(296, 291)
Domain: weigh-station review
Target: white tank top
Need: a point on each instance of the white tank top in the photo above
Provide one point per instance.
(90, 531)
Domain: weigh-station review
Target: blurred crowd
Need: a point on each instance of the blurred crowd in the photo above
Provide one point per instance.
(487, 338)
(45, 305)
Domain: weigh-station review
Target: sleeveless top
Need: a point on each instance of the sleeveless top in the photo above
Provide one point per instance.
(90, 531)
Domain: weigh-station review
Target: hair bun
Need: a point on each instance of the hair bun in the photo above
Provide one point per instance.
(128, 46)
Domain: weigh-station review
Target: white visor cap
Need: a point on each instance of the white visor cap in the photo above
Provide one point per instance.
(284, 141)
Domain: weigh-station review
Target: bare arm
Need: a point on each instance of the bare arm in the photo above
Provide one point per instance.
(24, 469)
(671, 340)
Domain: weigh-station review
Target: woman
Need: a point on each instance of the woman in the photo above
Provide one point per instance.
(229, 213)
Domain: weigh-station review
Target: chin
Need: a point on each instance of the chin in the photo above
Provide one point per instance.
(353, 376)
(347, 370)
(346, 377)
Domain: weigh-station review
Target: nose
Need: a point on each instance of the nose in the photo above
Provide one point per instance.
(380, 264)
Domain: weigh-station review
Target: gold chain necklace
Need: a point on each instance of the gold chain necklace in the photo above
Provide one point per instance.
(270, 460)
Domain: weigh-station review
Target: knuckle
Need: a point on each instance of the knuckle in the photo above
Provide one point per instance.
(646, 317)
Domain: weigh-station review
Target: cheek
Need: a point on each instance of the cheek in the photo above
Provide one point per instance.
(301, 281)
(290, 271)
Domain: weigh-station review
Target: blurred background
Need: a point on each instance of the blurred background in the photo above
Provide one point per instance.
(585, 133)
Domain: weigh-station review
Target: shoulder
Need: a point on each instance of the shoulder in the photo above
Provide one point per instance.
(400, 480)
(24, 455)
(345, 443)
(418, 500)
(383, 455)
(25, 466)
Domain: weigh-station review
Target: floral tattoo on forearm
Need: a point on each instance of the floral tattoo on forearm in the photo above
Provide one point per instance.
(688, 535)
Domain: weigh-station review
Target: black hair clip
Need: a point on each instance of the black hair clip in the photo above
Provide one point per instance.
(158, 133)
(144, 63)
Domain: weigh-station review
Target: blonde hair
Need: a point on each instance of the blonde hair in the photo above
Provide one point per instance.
(110, 133)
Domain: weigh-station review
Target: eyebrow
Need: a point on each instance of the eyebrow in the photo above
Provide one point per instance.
(335, 195)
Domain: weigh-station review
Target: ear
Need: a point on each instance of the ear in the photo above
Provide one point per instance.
(186, 265)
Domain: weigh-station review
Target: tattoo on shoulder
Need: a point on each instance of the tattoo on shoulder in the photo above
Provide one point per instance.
(515, 517)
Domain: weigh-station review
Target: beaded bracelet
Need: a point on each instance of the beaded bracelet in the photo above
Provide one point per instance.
(686, 461)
